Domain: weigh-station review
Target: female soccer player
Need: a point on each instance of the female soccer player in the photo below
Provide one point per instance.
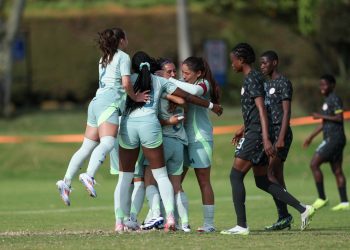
(102, 121)
(171, 116)
(198, 154)
(251, 142)
(332, 146)
(278, 91)
(140, 125)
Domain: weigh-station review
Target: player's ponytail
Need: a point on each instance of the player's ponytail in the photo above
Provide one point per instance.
(108, 42)
(143, 65)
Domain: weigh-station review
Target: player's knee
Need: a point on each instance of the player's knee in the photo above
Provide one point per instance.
(87, 147)
(236, 176)
(262, 182)
(107, 142)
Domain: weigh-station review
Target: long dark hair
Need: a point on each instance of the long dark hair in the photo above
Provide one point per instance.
(196, 64)
(144, 79)
(108, 42)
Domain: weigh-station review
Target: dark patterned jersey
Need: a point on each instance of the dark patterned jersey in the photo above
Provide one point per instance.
(332, 106)
(277, 91)
(253, 87)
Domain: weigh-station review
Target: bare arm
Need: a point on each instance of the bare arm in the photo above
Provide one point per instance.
(334, 118)
(176, 99)
(285, 123)
(259, 102)
(237, 136)
(309, 139)
(129, 89)
(217, 109)
(173, 120)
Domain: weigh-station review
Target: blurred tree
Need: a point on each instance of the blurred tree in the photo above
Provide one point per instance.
(8, 30)
(324, 23)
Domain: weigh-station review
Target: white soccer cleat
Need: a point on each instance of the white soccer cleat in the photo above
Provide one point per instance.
(152, 223)
(237, 230)
(89, 183)
(186, 228)
(306, 217)
(132, 225)
(206, 229)
(64, 191)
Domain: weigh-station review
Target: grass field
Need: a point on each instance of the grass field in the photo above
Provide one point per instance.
(32, 215)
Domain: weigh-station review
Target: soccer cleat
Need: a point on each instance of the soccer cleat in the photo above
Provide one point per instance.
(152, 223)
(170, 224)
(119, 228)
(320, 203)
(132, 225)
(186, 228)
(64, 190)
(206, 229)
(89, 183)
(306, 217)
(281, 224)
(237, 230)
(341, 206)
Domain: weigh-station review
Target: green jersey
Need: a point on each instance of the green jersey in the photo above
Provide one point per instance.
(110, 77)
(175, 131)
(197, 124)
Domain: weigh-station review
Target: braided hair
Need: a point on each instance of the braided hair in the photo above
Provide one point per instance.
(108, 42)
(245, 52)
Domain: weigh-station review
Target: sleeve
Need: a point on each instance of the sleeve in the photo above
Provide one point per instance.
(255, 87)
(337, 105)
(167, 86)
(125, 65)
(197, 90)
(286, 91)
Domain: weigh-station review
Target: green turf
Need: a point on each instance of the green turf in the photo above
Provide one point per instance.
(33, 217)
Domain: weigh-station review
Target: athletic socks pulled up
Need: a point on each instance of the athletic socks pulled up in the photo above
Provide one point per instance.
(78, 158)
(99, 154)
(121, 207)
(165, 189)
(238, 196)
(278, 192)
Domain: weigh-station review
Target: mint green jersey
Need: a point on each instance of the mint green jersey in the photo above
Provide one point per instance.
(110, 77)
(159, 86)
(175, 131)
(197, 124)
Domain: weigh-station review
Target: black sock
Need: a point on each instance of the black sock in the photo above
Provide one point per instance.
(238, 196)
(342, 193)
(281, 208)
(320, 190)
(278, 192)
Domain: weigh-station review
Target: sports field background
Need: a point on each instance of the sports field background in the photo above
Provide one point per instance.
(32, 216)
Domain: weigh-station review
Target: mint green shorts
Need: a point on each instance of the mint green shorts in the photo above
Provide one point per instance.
(103, 108)
(198, 154)
(114, 158)
(173, 155)
(136, 131)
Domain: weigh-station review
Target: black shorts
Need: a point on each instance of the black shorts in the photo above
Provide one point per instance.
(331, 149)
(274, 133)
(252, 150)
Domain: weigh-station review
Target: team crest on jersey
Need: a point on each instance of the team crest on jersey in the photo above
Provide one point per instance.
(324, 107)
(272, 91)
(242, 91)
